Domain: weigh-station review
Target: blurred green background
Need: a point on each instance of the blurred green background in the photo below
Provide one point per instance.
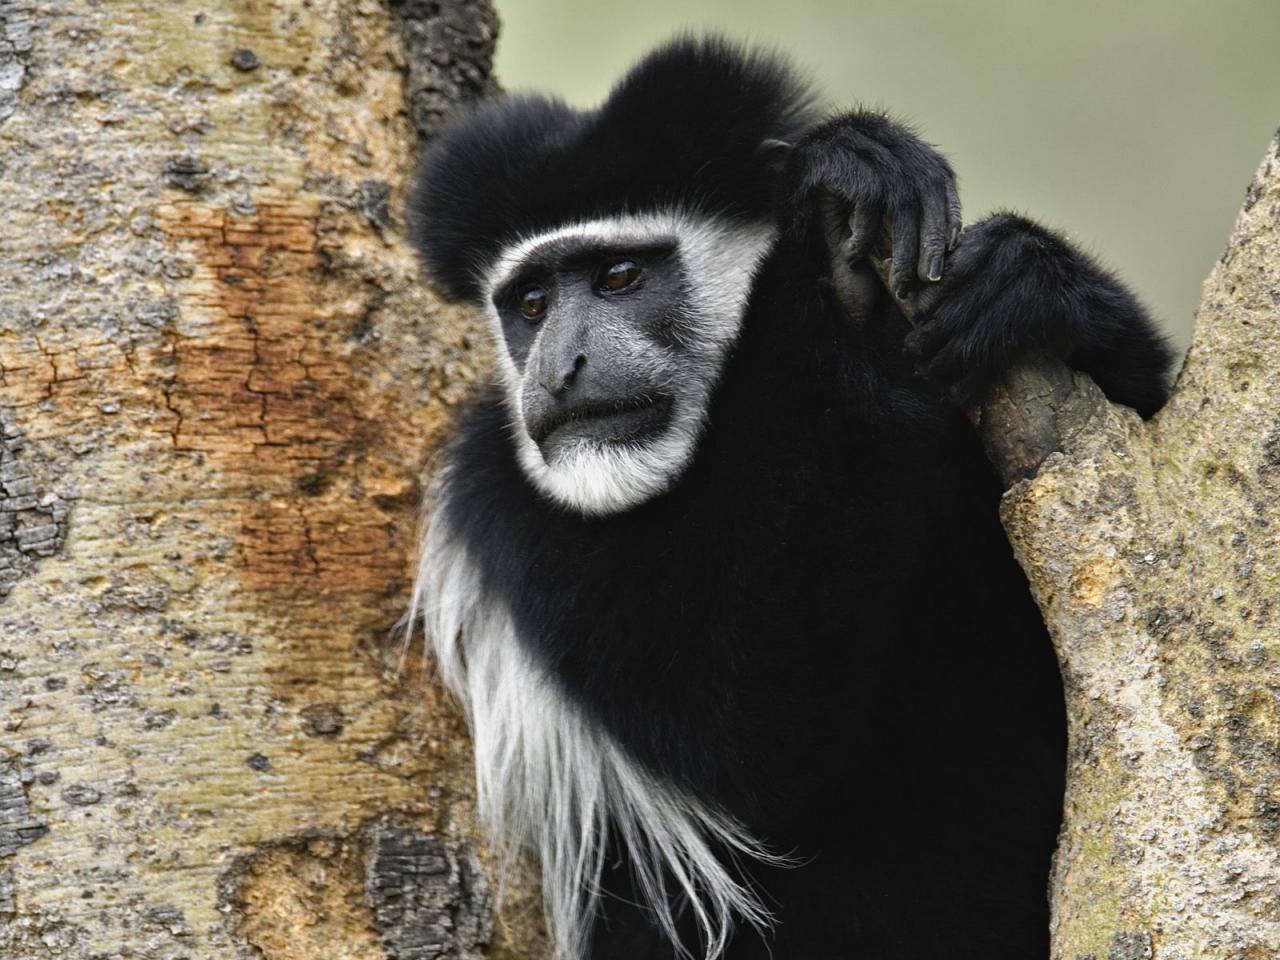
(1133, 126)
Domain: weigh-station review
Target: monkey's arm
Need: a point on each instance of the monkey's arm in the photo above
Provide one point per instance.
(857, 171)
(1012, 286)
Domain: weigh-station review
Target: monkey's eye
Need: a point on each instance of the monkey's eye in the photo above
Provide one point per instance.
(533, 302)
(619, 275)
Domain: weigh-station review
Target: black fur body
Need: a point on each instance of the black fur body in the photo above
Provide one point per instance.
(820, 628)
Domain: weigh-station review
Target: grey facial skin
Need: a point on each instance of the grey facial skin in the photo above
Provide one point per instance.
(608, 376)
(598, 359)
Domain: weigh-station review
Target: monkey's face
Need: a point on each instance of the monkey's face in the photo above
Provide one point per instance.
(612, 335)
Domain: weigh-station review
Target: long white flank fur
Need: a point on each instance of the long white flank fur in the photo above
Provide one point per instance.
(547, 777)
(720, 258)
(550, 780)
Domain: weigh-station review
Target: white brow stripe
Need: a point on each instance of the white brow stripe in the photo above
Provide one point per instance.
(622, 231)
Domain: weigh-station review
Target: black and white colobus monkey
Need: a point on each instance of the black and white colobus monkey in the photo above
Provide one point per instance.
(716, 569)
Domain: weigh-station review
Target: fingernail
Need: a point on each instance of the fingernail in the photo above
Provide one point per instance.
(935, 267)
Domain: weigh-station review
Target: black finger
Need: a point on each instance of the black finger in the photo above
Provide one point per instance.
(905, 226)
(930, 296)
(954, 222)
(864, 228)
(933, 237)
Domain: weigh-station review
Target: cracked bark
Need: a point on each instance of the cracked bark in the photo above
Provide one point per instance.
(220, 378)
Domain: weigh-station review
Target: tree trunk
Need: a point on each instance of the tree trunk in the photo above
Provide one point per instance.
(219, 379)
(1154, 552)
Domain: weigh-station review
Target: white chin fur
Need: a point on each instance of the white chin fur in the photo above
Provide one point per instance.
(600, 478)
(720, 258)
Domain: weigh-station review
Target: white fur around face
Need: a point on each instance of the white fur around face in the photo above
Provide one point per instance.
(550, 780)
(720, 259)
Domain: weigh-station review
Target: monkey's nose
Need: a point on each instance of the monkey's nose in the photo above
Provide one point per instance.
(562, 383)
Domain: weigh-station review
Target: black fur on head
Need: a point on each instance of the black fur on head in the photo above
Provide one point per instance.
(683, 128)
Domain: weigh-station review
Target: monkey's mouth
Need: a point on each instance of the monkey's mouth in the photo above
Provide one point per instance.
(625, 420)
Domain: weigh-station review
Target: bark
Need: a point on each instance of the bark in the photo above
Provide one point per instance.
(1154, 553)
(220, 377)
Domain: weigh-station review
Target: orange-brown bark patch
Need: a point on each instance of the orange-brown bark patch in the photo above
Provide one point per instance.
(264, 381)
(306, 900)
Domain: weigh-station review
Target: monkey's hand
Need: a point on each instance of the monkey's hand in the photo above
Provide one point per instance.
(1012, 287)
(859, 170)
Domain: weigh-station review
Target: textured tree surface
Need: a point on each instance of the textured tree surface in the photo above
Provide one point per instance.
(1154, 552)
(219, 382)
